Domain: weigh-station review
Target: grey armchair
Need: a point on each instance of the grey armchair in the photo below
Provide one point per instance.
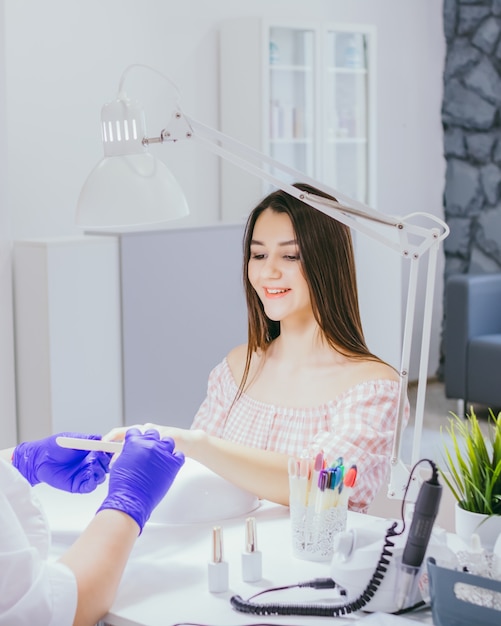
(472, 339)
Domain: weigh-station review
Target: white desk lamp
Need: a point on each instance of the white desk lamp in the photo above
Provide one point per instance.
(130, 189)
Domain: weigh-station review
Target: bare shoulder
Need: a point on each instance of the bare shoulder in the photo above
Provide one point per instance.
(236, 360)
(376, 370)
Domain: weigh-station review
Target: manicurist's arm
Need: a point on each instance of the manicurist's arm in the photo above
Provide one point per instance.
(97, 559)
(139, 479)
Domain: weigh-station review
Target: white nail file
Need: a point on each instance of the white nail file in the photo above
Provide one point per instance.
(75, 443)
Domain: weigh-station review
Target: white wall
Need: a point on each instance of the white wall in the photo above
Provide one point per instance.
(7, 388)
(64, 58)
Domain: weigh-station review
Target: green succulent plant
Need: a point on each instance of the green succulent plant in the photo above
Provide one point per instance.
(472, 465)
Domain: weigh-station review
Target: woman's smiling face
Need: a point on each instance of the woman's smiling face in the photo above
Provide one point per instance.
(275, 270)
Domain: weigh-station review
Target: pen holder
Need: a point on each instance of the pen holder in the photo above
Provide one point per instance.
(313, 532)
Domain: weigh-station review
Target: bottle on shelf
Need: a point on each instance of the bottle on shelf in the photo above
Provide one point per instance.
(275, 119)
(274, 53)
(352, 55)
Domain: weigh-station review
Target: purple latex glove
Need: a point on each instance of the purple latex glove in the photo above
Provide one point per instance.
(142, 474)
(78, 471)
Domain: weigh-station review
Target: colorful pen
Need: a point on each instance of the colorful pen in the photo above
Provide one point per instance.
(317, 468)
(320, 502)
(349, 482)
(351, 476)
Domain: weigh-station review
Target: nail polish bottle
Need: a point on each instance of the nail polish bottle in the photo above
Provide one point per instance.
(252, 568)
(217, 567)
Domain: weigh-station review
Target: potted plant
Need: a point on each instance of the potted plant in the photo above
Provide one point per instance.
(472, 471)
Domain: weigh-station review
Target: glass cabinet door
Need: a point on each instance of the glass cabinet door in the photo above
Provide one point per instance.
(345, 149)
(301, 93)
(292, 98)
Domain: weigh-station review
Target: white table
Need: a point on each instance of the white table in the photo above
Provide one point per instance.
(165, 581)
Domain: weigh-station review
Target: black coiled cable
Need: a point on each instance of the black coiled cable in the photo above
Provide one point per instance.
(322, 610)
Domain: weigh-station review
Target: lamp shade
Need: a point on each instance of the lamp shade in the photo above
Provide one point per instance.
(129, 188)
(130, 191)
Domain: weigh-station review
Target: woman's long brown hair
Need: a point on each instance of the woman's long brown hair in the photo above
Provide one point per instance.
(328, 264)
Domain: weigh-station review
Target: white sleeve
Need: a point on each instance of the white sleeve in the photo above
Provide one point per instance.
(32, 589)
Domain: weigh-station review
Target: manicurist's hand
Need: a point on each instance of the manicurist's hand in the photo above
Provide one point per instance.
(77, 471)
(142, 474)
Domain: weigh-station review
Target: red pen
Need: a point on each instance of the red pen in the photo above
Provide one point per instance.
(349, 481)
(350, 476)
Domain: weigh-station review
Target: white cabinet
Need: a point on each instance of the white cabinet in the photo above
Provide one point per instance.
(304, 95)
(68, 335)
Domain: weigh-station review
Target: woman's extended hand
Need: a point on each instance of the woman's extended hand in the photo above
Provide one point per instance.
(184, 438)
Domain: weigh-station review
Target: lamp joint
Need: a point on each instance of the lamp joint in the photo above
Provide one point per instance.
(147, 140)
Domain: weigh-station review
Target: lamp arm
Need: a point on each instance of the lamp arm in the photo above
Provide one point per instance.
(349, 211)
(425, 349)
(368, 221)
(399, 473)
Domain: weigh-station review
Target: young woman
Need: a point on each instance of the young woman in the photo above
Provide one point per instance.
(306, 380)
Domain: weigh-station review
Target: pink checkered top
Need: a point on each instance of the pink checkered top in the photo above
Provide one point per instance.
(357, 425)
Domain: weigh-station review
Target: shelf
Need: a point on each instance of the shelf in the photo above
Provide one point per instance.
(346, 70)
(347, 140)
(291, 140)
(290, 68)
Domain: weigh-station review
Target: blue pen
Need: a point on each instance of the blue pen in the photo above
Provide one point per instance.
(336, 478)
(339, 499)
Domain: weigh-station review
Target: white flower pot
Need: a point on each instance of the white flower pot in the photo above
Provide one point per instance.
(487, 527)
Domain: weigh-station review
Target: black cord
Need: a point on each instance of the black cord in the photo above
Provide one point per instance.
(253, 624)
(325, 610)
(316, 583)
(414, 607)
(247, 606)
(434, 478)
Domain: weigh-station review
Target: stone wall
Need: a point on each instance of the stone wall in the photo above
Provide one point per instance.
(471, 117)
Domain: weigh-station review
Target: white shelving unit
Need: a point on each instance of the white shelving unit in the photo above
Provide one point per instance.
(304, 94)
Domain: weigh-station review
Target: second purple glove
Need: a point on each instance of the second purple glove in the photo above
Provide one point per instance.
(43, 461)
(142, 474)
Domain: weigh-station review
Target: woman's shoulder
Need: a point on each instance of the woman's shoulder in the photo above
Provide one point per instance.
(236, 359)
(373, 370)
(356, 371)
(366, 378)
(237, 354)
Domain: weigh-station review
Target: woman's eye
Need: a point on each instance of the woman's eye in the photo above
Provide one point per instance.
(292, 257)
(257, 256)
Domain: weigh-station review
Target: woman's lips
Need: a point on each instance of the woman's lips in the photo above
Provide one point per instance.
(275, 292)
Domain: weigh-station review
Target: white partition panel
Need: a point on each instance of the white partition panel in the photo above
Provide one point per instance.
(183, 309)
